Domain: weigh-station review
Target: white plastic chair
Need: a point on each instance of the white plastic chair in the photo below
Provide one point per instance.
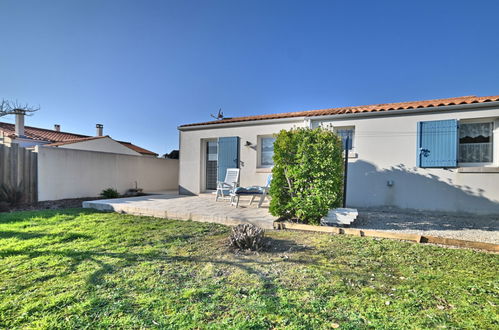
(224, 188)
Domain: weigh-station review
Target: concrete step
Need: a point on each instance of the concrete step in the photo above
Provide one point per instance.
(340, 217)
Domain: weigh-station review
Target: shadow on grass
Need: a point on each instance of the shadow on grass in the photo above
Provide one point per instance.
(65, 237)
(108, 263)
(78, 257)
(275, 245)
(270, 282)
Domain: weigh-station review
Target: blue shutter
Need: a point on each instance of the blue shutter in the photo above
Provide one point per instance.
(437, 143)
(228, 155)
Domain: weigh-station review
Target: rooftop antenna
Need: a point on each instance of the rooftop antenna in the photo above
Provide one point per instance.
(219, 116)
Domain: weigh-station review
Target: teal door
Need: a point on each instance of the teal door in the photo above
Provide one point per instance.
(228, 155)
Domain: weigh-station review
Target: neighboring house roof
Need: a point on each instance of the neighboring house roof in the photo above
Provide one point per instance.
(61, 138)
(138, 149)
(359, 109)
(62, 143)
(40, 134)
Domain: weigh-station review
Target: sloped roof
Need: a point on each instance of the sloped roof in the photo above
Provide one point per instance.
(62, 143)
(61, 138)
(140, 150)
(359, 109)
(40, 134)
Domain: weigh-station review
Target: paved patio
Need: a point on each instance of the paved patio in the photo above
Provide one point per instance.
(197, 208)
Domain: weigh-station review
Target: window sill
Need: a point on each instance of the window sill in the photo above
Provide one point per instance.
(478, 169)
(264, 170)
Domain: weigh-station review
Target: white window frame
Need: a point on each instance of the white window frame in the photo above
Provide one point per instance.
(337, 128)
(352, 153)
(495, 138)
(259, 151)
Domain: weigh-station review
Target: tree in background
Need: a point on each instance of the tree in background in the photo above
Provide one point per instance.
(14, 107)
(174, 154)
(307, 178)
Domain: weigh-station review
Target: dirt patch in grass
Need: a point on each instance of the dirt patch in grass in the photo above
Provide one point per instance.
(53, 205)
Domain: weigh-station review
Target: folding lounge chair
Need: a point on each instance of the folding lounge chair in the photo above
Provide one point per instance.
(251, 191)
(224, 188)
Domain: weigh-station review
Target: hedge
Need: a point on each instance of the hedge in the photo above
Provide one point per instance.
(307, 177)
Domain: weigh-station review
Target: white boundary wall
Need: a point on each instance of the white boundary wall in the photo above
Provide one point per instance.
(67, 173)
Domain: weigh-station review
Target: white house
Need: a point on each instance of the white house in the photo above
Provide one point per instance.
(27, 137)
(431, 155)
(70, 165)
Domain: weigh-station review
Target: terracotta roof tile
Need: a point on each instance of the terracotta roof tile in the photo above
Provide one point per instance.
(62, 143)
(61, 138)
(359, 109)
(138, 149)
(40, 134)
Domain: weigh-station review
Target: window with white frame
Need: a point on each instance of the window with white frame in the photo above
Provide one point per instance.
(454, 143)
(344, 133)
(266, 151)
(475, 142)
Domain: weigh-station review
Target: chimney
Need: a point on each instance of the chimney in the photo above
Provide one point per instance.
(57, 127)
(19, 130)
(100, 129)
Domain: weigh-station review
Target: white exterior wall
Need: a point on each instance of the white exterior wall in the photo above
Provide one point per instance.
(386, 149)
(104, 144)
(68, 173)
(192, 154)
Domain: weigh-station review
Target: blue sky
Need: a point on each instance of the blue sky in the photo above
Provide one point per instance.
(142, 68)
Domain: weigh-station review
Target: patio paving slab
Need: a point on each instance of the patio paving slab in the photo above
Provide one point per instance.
(201, 208)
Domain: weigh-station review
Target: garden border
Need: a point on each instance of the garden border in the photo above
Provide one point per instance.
(391, 235)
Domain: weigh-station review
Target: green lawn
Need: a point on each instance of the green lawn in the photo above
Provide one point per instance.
(79, 268)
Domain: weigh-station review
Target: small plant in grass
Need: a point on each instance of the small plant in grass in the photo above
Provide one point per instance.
(11, 195)
(307, 177)
(110, 193)
(246, 237)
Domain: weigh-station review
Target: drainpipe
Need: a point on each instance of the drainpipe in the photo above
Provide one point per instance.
(345, 173)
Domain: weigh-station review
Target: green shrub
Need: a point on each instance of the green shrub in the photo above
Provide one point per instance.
(12, 195)
(110, 193)
(307, 178)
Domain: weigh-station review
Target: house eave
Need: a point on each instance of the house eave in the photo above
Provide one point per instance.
(432, 110)
(243, 123)
(448, 108)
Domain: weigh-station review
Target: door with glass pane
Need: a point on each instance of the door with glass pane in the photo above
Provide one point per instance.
(211, 164)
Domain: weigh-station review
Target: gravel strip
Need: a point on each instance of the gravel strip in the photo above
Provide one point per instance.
(451, 225)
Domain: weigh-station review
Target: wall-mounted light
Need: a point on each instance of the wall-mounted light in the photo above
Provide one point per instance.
(248, 144)
(390, 183)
